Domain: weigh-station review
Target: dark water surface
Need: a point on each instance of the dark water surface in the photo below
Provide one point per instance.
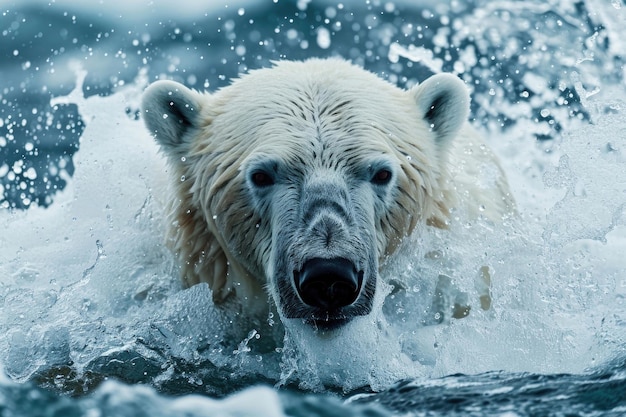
(601, 393)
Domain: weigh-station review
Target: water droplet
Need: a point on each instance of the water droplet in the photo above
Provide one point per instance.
(240, 50)
(323, 38)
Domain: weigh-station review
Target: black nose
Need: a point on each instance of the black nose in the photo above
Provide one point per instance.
(328, 283)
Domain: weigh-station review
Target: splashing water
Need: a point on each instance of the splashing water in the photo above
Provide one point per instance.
(88, 291)
(95, 260)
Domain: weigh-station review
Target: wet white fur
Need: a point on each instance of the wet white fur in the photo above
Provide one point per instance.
(210, 138)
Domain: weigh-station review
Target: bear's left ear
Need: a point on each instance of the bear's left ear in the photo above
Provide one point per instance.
(443, 101)
(170, 110)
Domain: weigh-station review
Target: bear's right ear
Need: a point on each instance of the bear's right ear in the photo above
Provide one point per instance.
(169, 110)
(443, 102)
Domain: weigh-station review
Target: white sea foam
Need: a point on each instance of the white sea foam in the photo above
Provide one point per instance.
(117, 399)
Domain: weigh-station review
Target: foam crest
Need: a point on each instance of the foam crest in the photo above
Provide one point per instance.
(97, 252)
(557, 281)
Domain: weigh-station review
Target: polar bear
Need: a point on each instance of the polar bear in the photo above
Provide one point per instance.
(299, 180)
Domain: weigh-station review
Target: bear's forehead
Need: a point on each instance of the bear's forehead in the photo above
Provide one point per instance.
(322, 87)
(315, 108)
(340, 117)
(321, 127)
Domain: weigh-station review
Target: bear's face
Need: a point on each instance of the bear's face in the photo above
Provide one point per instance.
(320, 209)
(302, 178)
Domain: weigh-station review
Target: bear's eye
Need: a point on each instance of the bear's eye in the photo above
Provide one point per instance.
(382, 177)
(261, 179)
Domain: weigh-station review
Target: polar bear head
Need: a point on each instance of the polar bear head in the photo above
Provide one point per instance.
(301, 178)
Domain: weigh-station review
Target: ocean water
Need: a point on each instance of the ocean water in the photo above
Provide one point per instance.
(93, 321)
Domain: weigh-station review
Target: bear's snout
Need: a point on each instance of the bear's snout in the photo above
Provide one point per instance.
(328, 284)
